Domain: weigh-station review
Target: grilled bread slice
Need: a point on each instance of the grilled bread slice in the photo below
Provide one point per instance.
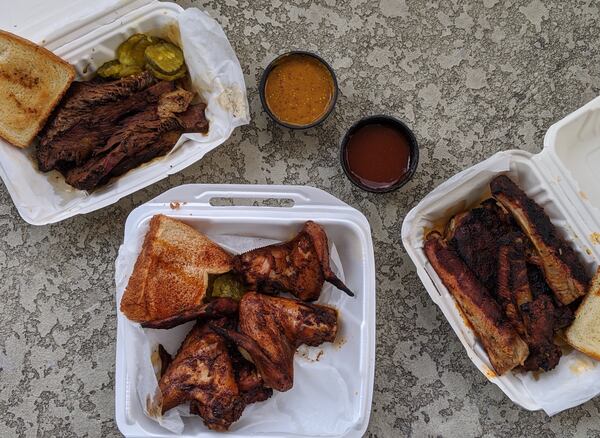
(32, 82)
(171, 272)
(584, 333)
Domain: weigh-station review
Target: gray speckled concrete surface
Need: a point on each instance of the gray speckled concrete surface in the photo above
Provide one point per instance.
(471, 78)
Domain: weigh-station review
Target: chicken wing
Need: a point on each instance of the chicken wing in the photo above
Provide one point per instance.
(202, 373)
(299, 266)
(271, 328)
(216, 308)
(564, 272)
(505, 348)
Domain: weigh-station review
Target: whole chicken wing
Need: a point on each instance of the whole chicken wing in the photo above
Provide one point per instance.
(271, 328)
(299, 266)
(202, 373)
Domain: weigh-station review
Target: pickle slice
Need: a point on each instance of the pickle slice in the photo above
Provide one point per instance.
(110, 69)
(228, 286)
(177, 75)
(125, 49)
(115, 70)
(128, 70)
(139, 49)
(165, 58)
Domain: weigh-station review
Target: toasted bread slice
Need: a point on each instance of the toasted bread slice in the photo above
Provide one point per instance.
(171, 272)
(584, 333)
(32, 82)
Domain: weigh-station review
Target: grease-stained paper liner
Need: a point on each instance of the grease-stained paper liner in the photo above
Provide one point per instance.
(576, 378)
(321, 376)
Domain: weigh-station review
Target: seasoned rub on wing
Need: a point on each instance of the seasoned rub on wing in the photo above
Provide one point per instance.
(271, 328)
(564, 272)
(505, 348)
(299, 266)
(203, 374)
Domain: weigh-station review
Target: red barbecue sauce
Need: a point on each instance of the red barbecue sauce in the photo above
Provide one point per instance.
(378, 156)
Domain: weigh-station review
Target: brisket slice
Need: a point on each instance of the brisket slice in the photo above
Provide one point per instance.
(140, 138)
(83, 97)
(87, 138)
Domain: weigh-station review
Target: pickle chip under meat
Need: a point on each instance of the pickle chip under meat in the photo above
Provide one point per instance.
(115, 70)
(165, 58)
(110, 69)
(177, 75)
(125, 49)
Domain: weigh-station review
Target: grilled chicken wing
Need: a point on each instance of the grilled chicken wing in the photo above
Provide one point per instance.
(202, 373)
(217, 308)
(505, 348)
(563, 270)
(299, 266)
(271, 328)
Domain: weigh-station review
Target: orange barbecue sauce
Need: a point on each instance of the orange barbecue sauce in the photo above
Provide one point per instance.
(299, 90)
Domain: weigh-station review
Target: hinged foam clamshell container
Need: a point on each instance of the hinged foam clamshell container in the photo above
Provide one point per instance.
(86, 34)
(563, 180)
(353, 359)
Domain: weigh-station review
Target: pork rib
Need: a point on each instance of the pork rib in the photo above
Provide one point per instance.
(562, 269)
(505, 348)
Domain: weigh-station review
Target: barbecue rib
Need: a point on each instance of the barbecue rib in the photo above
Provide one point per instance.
(203, 374)
(563, 271)
(299, 266)
(534, 318)
(216, 308)
(271, 328)
(475, 235)
(504, 346)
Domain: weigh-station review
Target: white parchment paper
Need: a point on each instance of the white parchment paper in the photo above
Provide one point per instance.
(320, 399)
(576, 378)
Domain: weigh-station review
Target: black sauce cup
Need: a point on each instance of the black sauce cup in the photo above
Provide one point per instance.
(263, 83)
(396, 124)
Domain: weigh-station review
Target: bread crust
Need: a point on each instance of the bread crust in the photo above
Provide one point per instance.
(171, 273)
(42, 117)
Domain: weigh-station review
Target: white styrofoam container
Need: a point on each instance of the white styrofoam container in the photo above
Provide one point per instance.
(86, 34)
(561, 178)
(346, 228)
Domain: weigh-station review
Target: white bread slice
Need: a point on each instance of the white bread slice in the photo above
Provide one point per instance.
(171, 272)
(32, 82)
(584, 333)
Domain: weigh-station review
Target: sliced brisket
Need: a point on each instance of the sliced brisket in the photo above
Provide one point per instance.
(140, 138)
(81, 141)
(82, 97)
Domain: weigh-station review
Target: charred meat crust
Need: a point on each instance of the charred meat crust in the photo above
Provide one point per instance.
(217, 308)
(505, 348)
(299, 266)
(540, 229)
(270, 330)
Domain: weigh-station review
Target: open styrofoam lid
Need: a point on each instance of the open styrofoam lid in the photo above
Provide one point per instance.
(571, 159)
(46, 21)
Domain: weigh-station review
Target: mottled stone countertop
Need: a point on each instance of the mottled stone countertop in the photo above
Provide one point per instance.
(471, 78)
